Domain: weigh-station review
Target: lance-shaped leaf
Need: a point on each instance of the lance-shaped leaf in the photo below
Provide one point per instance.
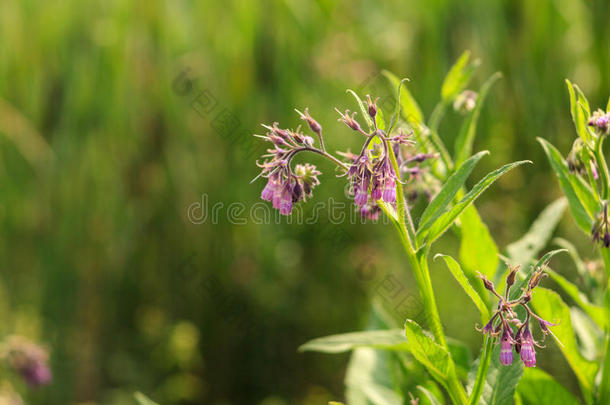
(580, 110)
(446, 195)
(478, 250)
(363, 109)
(583, 204)
(537, 387)
(460, 277)
(549, 305)
(458, 77)
(465, 139)
(408, 106)
(430, 354)
(446, 219)
(500, 381)
(392, 339)
(369, 380)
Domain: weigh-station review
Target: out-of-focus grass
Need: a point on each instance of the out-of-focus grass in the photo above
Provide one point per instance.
(100, 159)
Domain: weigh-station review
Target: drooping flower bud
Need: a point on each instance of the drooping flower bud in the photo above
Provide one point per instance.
(506, 349)
(528, 353)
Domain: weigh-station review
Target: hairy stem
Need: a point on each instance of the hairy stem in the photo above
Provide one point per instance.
(603, 167)
(479, 383)
(604, 386)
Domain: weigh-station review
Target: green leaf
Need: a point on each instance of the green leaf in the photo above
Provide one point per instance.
(598, 314)
(549, 305)
(368, 379)
(460, 277)
(539, 388)
(478, 251)
(363, 109)
(444, 197)
(525, 249)
(379, 120)
(445, 220)
(430, 396)
(580, 115)
(500, 382)
(373, 377)
(583, 204)
(430, 354)
(142, 399)
(458, 77)
(408, 106)
(465, 139)
(392, 339)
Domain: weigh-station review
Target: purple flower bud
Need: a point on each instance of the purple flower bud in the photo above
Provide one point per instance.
(361, 196)
(349, 120)
(389, 191)
(313, 124)
(285, 203)
(370, 212)
(600, 121)
(528, 354)
(544, 326)
(268, 191)
(506, 348)
(377, 191)
(372, 106)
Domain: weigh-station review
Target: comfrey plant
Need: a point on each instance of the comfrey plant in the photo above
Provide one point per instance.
(585, 180)
(401, 160)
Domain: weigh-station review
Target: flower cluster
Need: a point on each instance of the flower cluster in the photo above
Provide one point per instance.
(286, 187)
(505, 318)
(28, 359)
(600, 121)
(372, 173)
(600, 232)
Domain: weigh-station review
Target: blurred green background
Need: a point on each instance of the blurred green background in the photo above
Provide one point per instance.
(104, 147)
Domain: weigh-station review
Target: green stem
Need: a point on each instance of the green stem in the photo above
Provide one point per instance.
(603, 167)
(402, 211)
(419, 266)
(604, 386)
(479, 383)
